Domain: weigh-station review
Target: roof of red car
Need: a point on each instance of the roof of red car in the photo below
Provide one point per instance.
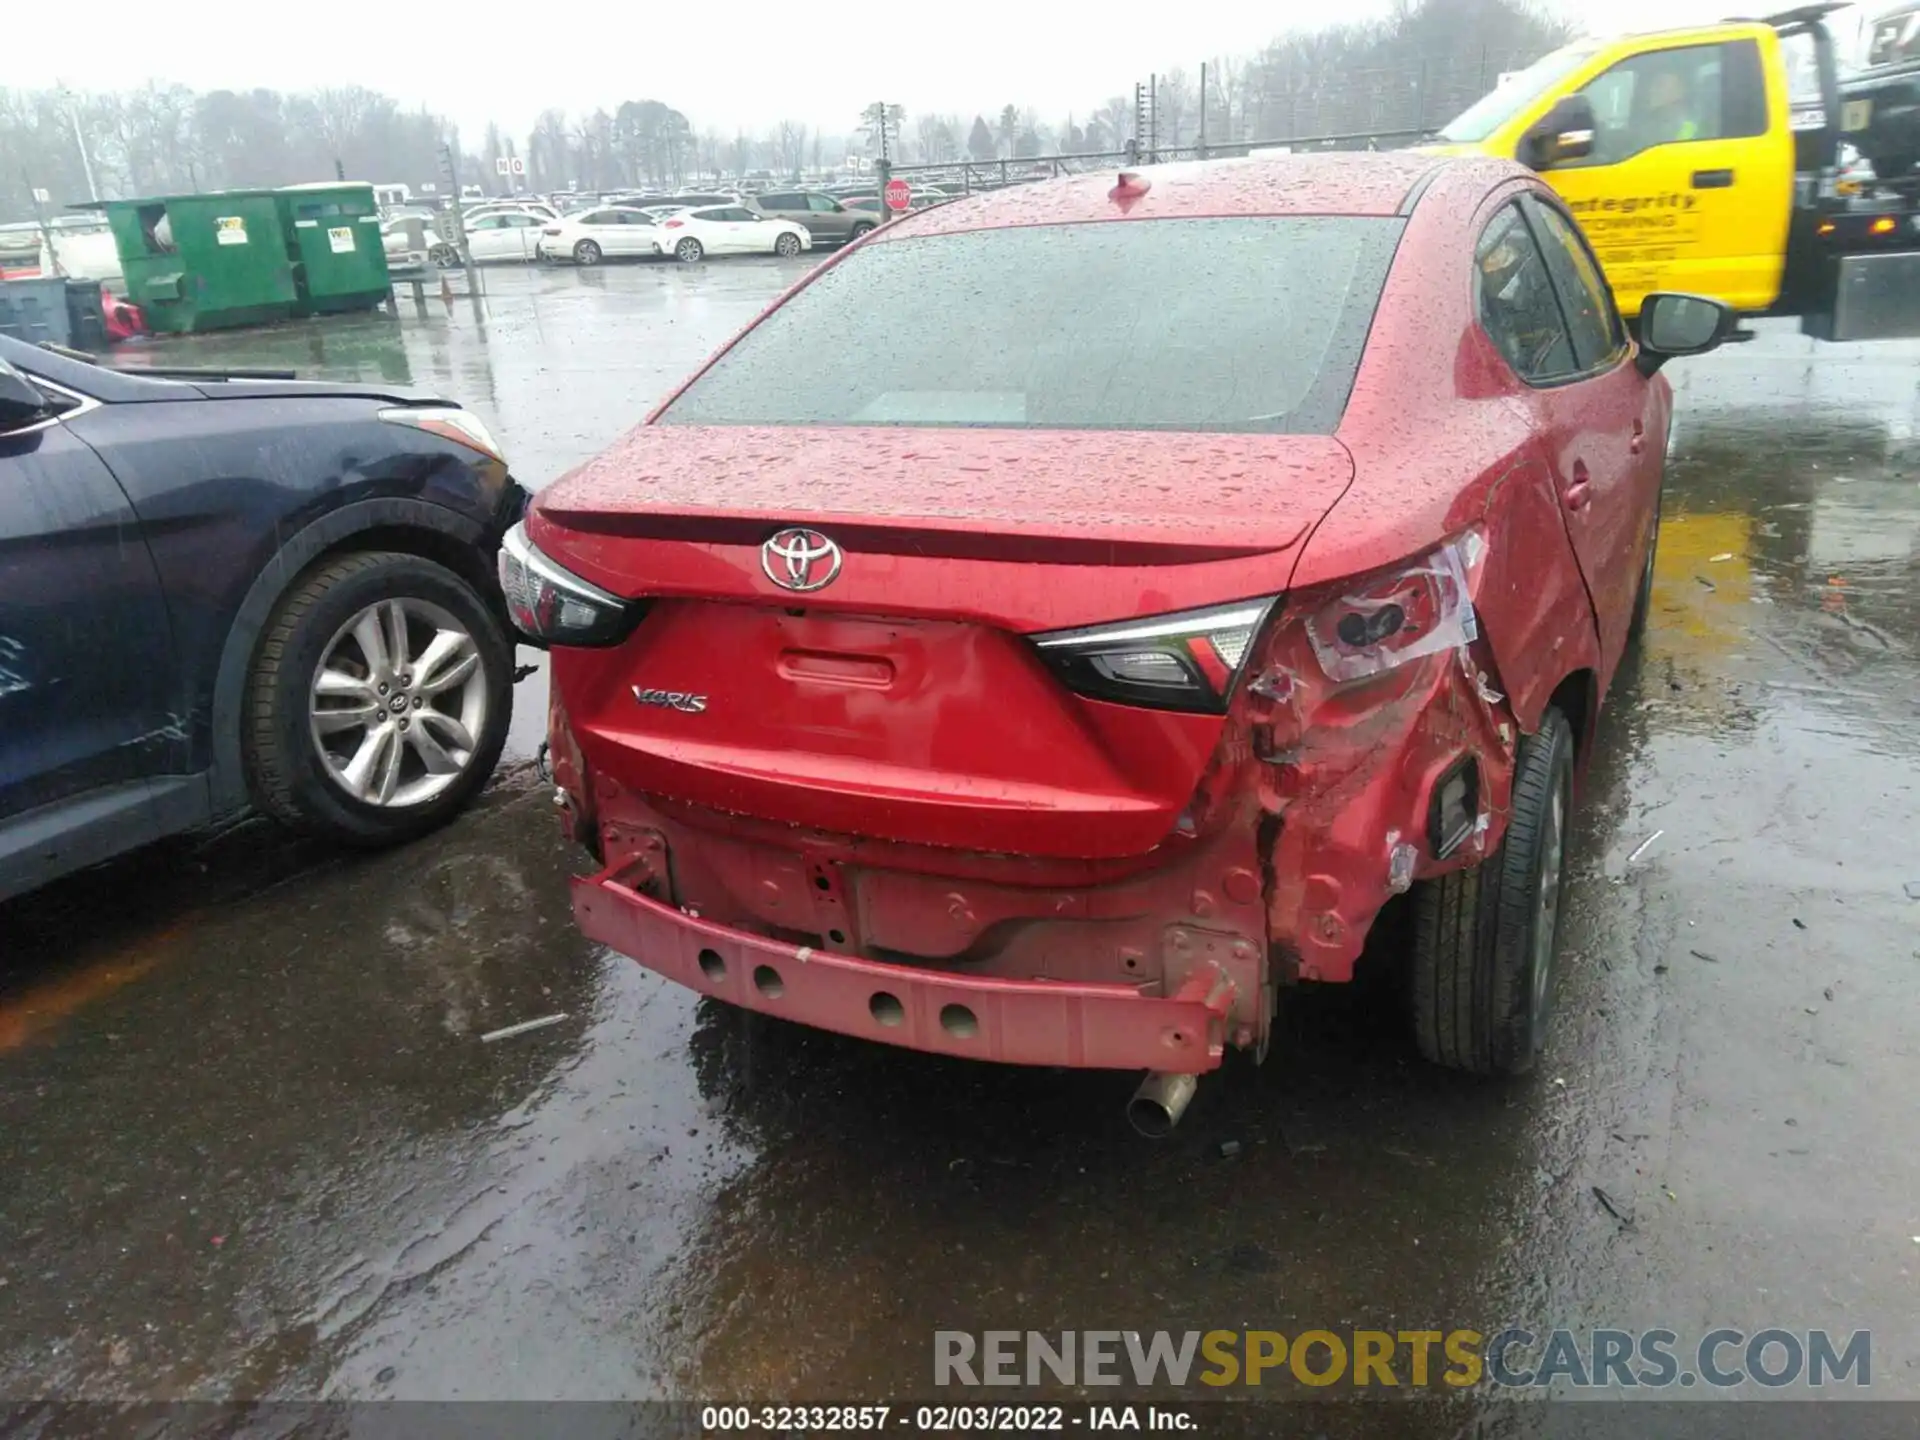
(1344, 183)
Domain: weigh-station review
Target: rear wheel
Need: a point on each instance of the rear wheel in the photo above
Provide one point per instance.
(379, 700)
(786, 245)
(586, 253)
(858, 230)
(689, 250)
(1484, 937)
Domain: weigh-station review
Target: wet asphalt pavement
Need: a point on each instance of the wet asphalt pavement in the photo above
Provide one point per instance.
(251, 1142)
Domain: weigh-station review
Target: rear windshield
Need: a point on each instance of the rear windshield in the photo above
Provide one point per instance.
(1241, 324)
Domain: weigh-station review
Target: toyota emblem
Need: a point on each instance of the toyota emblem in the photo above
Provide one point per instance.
(800, 560)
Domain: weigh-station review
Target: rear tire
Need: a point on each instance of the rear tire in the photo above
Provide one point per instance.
(859, 230)
(1485, 937)
(786, 245)
(293, 724)
(586, 253)
(689, 251)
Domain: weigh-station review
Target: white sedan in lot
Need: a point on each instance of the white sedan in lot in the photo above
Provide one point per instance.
(731, 230)
(588, 236)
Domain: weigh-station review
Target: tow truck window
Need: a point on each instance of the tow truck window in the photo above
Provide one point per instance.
(1667, 97)
(1241, 324)
(1516, 302)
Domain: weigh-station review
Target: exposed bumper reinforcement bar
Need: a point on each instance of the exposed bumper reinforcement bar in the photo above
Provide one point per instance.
(1018, 1022)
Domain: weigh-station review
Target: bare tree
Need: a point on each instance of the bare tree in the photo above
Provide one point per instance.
(1227, 80)
(936, 139)
(789, 148)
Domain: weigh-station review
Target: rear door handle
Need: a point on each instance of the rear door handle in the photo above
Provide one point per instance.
(1580, 490)
(1639, 442)
(1713, 179)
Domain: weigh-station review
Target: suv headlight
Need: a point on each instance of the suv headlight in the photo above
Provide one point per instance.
(449, 422)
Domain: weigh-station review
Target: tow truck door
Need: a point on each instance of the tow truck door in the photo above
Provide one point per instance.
(1690, 183)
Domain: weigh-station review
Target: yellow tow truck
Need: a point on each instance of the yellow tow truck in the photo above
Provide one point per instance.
(1690, 167)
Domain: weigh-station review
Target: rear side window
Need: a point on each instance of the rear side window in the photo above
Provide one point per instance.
(1585, 300)
(1516, 302)
(1239, 324)
(782, 202)
(822, 204)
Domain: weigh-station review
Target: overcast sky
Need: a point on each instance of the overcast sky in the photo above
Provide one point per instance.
(726, 63)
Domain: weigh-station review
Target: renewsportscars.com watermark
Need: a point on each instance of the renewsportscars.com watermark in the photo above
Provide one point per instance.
(1513, 1359)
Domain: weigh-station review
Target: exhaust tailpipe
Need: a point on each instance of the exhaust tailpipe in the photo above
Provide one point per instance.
(1156, 1107)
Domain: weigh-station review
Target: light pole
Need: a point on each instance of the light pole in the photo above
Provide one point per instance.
(80, 139)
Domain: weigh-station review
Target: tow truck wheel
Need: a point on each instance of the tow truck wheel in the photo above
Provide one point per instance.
(1484, 937)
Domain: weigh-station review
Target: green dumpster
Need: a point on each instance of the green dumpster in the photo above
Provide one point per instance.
(204, 262)
(334, 229)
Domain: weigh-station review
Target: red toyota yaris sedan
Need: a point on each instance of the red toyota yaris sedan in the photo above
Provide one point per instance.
(1055, 680)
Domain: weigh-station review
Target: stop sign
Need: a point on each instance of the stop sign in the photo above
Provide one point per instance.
(899, 194)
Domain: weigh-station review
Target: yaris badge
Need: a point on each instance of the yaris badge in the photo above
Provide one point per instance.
(800, 560)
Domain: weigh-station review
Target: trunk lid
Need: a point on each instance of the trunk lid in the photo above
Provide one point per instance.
(903, 701)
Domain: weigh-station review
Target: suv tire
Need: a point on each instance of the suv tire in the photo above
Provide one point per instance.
(392, 745)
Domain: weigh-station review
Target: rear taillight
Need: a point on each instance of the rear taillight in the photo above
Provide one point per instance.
(675, 224)
(1187, 661)
(551, 230)
(553, 606)
(1338, 653)
(1380, 621)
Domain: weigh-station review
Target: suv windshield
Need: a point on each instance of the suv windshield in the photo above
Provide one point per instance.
(1494, 109)
(1252, 324)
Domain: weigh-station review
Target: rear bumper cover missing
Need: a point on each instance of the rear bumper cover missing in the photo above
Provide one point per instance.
(1018, 1022)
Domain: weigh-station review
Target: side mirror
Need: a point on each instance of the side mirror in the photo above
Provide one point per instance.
(1675, 324)
(1564, 133)
(21, 403)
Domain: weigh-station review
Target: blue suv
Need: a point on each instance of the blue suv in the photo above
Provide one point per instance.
(221, 591)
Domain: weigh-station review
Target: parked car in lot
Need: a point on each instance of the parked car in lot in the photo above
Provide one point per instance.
(825, 218)
(217, 593)
(500, 235)
(407, 239)
(1059, 683)
(731, 230)
(590, 236)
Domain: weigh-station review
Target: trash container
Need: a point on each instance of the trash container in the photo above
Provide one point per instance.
(205, 262)
(34, 309)
(334, 229)
(67, 312)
